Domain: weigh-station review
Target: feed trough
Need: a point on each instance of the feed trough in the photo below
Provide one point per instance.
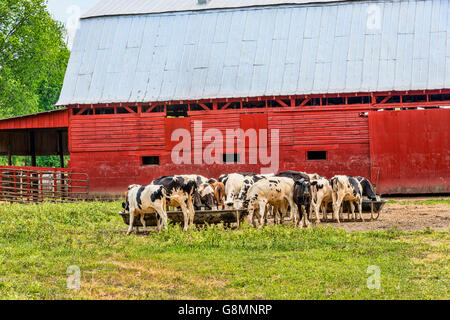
(229, 216)
(201, 217)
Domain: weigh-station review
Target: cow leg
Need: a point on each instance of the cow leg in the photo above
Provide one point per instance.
(360, 210)
(317, 206)
(352, 211)
(144, 224)
(251, 212)
(130, 228)
(158, 221)
(262, 213)
(161, 214)
(324, 207)
(305, 221)
(336, 207)
(185, 211)
(337, 211)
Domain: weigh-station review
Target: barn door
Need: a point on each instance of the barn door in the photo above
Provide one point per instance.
(410, 151)
(172, 124)
(256, 122)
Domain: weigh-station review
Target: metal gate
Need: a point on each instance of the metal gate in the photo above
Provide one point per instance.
(22, 185)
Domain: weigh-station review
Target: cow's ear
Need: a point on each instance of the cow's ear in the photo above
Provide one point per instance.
(124, 205)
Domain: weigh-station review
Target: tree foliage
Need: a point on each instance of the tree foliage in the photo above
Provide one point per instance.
(33, 57)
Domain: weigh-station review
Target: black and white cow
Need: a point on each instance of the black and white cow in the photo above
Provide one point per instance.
(277, 192)
(346, 188)
(295, 175)
(142, 200)
(302, 198)
(369, 192)
(234, 182)
(181, 191)
(322, 195)
(368, 189)
(204, 195)
(249, 181)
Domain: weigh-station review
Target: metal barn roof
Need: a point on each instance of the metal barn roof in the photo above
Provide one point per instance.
(251, 52)
(131, 7)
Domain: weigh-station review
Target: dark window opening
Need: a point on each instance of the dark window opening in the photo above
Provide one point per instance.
(157, 109)
(231, 106)
(358, 100)
(100, 111)
(394, 99)
(415, 98)
(197, 107)
(231, 158)
(122, 110)
(177, 111)
(150, 161)
(317, 155)
(254, 105)
(335, 101)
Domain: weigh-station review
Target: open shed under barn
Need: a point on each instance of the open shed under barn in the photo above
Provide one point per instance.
(352, 87)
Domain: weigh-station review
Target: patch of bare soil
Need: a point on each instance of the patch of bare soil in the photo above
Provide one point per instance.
(409, 217)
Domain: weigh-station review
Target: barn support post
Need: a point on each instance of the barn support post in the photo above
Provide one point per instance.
(33, 148)
(61, 149)
(9, 151)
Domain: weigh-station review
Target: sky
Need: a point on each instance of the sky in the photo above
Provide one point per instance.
(68, 12)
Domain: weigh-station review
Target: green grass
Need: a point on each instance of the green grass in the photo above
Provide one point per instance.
(427, 202)
(38, 244)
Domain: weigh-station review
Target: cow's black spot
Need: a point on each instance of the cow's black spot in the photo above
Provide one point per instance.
(355, 186)
(158, 195)
(257, 178)
(138, 197)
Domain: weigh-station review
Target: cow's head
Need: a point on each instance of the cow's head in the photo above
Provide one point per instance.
(206, 193)
(302, 188)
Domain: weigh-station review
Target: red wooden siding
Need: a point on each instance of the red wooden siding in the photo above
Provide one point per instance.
(410, 151)
(344, 135)
(52, 119)
(120, 132)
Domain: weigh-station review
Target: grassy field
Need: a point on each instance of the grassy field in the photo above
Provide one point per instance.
(38, 244)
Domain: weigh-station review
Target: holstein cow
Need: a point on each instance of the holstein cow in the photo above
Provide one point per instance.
(141, 200)
(322, 195)
(276, 191)
(204, 195)
(369, 192)
(180, 193)
(294, 175)
(234, 182)
(249, 181)
(302, 198)
(349, 189)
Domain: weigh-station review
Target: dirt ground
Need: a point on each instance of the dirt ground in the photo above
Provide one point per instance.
(407, 217)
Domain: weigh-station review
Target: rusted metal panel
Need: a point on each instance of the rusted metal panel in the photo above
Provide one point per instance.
(32, 184)
(410, 151)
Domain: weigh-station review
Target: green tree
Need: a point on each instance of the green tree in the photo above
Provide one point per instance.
(33, 57)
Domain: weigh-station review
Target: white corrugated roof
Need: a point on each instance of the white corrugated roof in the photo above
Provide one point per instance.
(132, 7)
(275, 51)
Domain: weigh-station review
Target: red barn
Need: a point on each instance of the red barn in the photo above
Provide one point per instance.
(335, 87)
